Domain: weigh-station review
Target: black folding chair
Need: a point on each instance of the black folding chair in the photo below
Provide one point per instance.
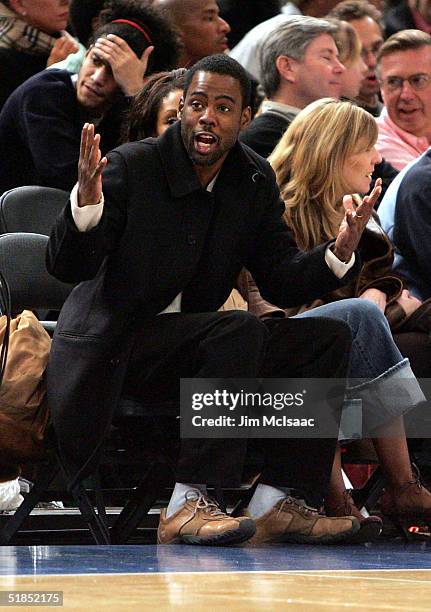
(22, 262)
(31, 209)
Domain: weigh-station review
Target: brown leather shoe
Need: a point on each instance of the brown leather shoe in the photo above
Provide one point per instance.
(289, 521)
(200, 521)
(370, 526)
(408, 502)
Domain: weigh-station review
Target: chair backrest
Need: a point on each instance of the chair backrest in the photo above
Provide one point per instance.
(31, 209)
(22, 262)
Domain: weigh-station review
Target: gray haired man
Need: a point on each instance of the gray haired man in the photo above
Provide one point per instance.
(299, 64)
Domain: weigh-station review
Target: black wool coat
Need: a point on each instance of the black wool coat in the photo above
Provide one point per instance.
(161, 233)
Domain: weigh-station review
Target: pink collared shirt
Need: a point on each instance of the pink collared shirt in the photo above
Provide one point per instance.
(397, 146)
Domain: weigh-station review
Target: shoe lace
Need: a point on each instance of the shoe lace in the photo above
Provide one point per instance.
(204, 502)
(347, 505)
(303, 508)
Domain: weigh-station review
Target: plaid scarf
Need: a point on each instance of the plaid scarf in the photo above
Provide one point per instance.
(17, 34)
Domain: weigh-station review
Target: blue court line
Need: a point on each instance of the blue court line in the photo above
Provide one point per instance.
(74, 560)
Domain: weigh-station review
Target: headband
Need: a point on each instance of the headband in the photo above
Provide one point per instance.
(138, 26)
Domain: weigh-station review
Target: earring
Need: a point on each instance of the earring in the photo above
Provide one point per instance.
(23, 13)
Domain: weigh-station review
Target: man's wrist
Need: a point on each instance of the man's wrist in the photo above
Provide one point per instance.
(83, 201)
(343, 256)
(132, 89)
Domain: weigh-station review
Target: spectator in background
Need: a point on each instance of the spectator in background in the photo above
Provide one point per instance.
(405, 215)
(164, 38)
(201, 29)
(40, 124)
(404, 71)
(32, 37)
(155, 107)
(349, 54)
(365, 18)
(83, 20)
(247, 51)
(300, 64)
(349, 47)
(202, 32)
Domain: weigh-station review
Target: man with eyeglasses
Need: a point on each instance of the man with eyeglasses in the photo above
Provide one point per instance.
(404, 71)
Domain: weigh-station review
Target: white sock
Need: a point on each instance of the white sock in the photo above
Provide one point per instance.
(178, 497)
(265, 497)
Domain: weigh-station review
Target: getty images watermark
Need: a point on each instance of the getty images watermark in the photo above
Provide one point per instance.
(244, 408)
(283, 408)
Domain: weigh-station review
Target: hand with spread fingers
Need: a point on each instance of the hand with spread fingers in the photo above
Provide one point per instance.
(90, 166)
(128, 69)
(354, 223)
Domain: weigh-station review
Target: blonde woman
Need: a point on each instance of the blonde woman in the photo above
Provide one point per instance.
(328, 151)
(349, 49)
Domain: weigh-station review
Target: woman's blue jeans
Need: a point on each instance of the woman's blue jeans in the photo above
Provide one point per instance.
(378, 375)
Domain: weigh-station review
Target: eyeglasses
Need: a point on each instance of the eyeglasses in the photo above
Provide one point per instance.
(416, 81)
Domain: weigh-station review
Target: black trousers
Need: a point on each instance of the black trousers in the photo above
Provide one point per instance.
(237, 344)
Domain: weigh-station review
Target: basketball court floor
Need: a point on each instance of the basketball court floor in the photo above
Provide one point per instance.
(382, 576)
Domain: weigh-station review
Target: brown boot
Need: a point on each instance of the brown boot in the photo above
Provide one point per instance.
(200, 521)
(410, 501)
(290, 521)
(371, 526)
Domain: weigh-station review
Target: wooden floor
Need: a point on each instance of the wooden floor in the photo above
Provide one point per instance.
(241, 591)
(386, 576)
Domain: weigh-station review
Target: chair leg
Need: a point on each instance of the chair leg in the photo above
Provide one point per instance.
(14, 523)
(100, 502)
(96, 522)
(369, 494)
(157, 477)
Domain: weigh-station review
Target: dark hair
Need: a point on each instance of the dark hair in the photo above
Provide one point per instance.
(81, 15)
(142, 117)
(350, 10)
(158, 32)
(225, 65)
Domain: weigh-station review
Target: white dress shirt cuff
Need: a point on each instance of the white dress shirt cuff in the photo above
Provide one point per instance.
(339, 268)
(85, 217)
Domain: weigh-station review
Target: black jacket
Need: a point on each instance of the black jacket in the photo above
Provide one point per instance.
(15, 68)
(40, 128)
(160, 234)
(265, 131)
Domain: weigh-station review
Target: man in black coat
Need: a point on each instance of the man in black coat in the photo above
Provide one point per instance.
(159, 252)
